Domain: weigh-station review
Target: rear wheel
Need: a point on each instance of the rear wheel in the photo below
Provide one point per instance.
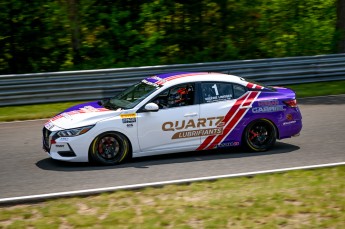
(109, 148)
(260, 135)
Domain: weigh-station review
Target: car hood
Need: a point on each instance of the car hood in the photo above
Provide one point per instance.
(81, 115)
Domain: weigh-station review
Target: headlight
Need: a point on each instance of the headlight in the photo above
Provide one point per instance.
(75, 131)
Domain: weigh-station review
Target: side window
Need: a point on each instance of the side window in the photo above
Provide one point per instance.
(176, 96)
(239, 90)
(216, 91)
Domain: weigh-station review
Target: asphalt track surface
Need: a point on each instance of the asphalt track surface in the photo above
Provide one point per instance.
(26, 170)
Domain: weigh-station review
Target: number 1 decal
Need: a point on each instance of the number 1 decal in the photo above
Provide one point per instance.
(215, 89)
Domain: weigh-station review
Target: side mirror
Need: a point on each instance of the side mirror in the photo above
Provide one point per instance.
(151, 107)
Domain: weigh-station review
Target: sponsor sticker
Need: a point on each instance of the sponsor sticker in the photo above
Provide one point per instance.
(49, 125)
(129, 125)
(197, 133)
(129, 118)
(132, 115)
(228, 144)
(267, 109)
(289, 117)
(149, 83)
(218, 98)
(64, 139)
(289, 123)
(211, 126)
(268, 103)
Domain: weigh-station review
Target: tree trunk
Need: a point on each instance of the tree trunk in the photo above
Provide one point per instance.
(13, 61)
(73, 13)
(340, 27)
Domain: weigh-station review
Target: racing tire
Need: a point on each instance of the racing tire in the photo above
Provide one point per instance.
(260, 135)
(109, 148)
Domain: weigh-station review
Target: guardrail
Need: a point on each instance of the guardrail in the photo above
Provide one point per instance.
(49, 87)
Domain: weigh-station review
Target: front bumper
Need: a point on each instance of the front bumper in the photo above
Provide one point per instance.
(73, 149)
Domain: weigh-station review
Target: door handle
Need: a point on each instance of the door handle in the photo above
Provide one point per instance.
(246, 107)
(191, 115)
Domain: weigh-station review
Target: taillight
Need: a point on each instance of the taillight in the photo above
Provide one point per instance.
(291, 103)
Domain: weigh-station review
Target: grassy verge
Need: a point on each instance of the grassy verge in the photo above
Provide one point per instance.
(297, 199)
(27, 112)
(319, 89)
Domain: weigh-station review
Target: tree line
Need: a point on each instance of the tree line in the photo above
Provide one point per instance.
(58, 35)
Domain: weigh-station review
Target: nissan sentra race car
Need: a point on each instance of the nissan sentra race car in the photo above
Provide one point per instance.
(171, 113)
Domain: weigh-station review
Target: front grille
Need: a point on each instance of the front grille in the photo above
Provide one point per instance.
(46, 134)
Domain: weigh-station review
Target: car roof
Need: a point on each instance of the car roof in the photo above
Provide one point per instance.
(168, 79)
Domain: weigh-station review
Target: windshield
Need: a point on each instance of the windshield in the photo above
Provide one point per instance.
(130, 97)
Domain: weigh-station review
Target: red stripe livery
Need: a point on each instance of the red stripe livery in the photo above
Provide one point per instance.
(232, 118)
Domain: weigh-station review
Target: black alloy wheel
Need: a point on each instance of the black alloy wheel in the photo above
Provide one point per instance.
(260, 135)
(109, 148)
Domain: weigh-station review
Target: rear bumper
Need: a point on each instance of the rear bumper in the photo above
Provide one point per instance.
(290, 129)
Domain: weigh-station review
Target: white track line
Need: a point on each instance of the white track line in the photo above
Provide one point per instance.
(32, 198)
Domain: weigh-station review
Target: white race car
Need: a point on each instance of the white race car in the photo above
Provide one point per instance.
(171, 113)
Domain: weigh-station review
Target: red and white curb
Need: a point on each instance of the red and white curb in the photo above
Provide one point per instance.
(41, 197)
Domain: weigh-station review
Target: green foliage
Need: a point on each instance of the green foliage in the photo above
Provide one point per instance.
(54, 35)
(297, 28)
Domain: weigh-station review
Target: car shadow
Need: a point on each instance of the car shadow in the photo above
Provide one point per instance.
(146, 162)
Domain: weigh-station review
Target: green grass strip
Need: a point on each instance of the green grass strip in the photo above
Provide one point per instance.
(296, 199)
(319, 89)
(27, 112)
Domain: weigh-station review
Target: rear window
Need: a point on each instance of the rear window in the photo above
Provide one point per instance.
(258, 83)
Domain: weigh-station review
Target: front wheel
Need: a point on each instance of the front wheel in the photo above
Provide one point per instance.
(109, 148)
(260, 135)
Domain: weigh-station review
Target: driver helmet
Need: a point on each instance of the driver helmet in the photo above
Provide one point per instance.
(179, 97)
